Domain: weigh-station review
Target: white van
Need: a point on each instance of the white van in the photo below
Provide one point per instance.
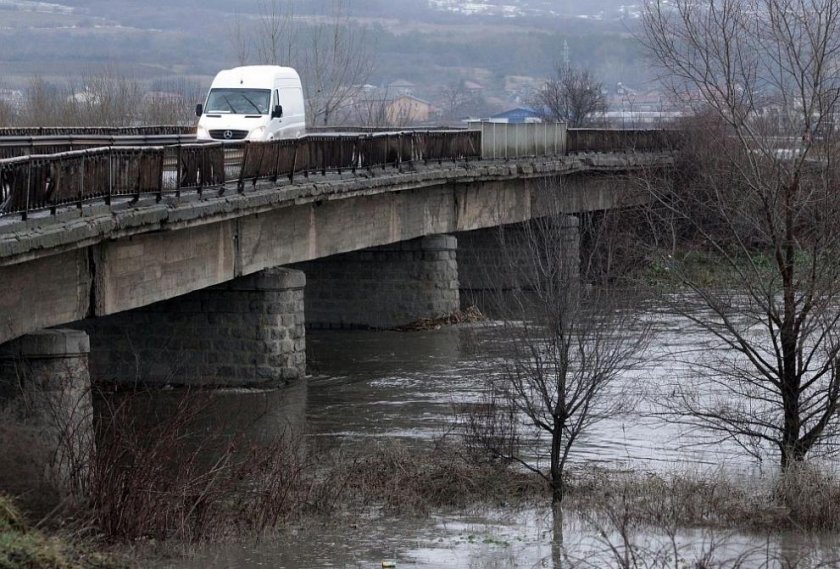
(256, 102)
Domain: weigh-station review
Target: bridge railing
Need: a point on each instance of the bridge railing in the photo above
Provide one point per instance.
(63, 131)
(609, 140)
(337, 153)
(14, 145)
(45, 182)
(35, 183)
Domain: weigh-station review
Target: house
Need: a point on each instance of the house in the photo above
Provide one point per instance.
(407, 109)
(472, 87)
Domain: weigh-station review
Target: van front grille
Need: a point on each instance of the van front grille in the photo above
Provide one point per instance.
(228, 134)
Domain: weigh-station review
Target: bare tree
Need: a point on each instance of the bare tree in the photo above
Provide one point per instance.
(572, 342)
(454, 96)
(168, 101)
(108, 98)
(379, 108)
(332, 54)
(7, 114)
(105, 97)
(572, 95)
(44, 104)
(276, 33)
(761, 196)
(335, 61)
(240, 41)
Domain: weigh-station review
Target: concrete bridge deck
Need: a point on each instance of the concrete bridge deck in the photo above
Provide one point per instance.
(98, 262)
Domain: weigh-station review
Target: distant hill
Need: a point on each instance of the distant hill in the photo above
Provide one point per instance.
(431, 43)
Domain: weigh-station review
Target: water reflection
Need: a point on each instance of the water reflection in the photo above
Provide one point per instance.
(389, 384)
(260, 416)
(511, 539)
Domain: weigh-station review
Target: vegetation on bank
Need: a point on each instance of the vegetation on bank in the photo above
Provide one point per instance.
(805, 498)
(22, 547)
(231, 491)
(700, 267)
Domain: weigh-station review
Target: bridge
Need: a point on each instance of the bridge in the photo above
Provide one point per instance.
(202, 264)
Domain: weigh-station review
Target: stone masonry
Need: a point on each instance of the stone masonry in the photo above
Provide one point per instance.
(45, 382)
(507, 257)
(248, 332)
(383, 287)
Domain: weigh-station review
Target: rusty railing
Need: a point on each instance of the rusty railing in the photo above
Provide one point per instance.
(46, 182)
(43, 182)
(618, 140)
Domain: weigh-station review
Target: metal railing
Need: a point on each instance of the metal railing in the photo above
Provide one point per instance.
(46, 182)
(13, 145)
(34, 183)
(612, 140)
(38, 182)
(96, 130)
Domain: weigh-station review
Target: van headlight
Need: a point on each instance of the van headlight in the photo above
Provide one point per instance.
(257, 133)
(201, 133)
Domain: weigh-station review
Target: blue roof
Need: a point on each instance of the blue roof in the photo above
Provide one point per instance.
(517, 115)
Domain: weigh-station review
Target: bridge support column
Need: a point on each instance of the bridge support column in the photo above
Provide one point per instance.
(45, 390)
(508, 257)
(383, 287)
(245, 333)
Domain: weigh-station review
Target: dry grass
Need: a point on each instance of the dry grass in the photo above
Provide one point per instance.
(22, 547)
(411, 481)
(177, 480)
(22, 473)
(174, 479)
(804, 498)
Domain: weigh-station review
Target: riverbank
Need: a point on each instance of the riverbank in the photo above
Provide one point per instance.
(22, 547)
(401, 486)
(381, 472)
(702, 268)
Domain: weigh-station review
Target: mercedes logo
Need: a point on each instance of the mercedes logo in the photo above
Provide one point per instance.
(228, 134)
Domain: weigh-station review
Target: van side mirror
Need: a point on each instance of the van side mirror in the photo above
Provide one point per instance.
(199, 110)
(277, 112)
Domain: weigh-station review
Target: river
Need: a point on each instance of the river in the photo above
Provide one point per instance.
(373, 386)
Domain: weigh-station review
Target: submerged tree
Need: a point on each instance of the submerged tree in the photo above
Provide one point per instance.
(757, 187)
(573, 338)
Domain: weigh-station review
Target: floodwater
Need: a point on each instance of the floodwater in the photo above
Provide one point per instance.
(371, 387)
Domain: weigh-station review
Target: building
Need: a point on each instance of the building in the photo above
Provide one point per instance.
(407, 109)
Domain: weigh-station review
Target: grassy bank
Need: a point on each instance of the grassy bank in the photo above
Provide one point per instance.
(393, 480)
(176, 482)
(805, 499)
(22, 547)
(703, 268)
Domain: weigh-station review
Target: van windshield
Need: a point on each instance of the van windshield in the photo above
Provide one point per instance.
(239, 101)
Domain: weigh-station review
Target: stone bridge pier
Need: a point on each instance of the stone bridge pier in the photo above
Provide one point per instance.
(47, 436)
(248, 332)
(515, 256)
(383, 287)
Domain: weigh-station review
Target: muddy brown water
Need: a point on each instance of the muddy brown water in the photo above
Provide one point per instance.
(369, 386)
